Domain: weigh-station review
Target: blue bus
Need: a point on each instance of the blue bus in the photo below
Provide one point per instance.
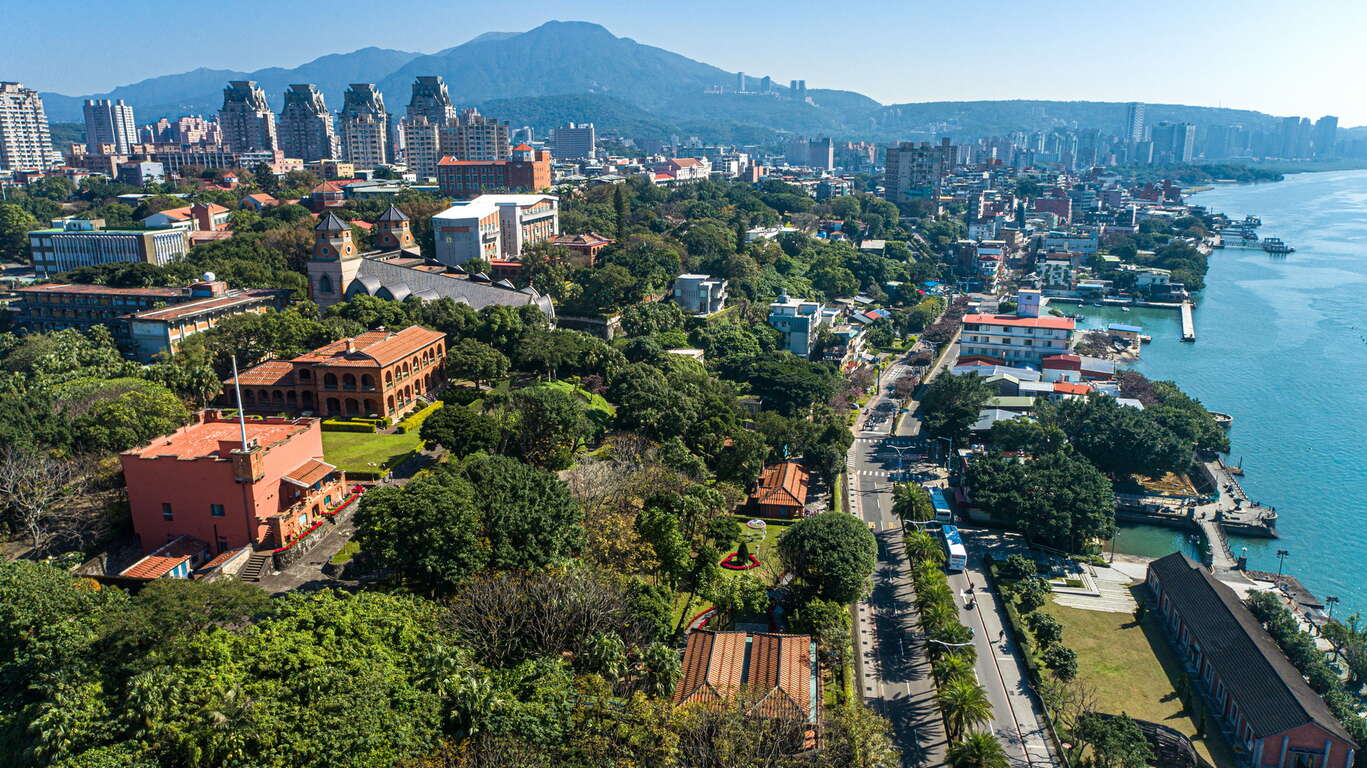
(956, 557)
(943, 514)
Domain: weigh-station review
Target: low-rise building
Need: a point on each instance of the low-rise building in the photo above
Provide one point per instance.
(799, 320)
(158, 333)
(699, 294)
(493, 227)
(585, 246)
(72, 243)
(528, 171)
(379, 374)
(203, 217)
(781, 490)
(1261, 701)
(231, 484)
(1013, 339)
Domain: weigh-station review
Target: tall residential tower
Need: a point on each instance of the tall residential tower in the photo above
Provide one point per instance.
(306, 125)
(109, 122)
(25, 144)
(364, 126)
(246, 118)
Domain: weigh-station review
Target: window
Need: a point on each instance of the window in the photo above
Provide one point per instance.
(166, 511)
(216, 510)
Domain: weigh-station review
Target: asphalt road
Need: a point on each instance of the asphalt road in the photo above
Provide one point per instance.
(892, 669)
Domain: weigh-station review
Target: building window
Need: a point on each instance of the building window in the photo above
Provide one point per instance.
(216, 510)
(166, 511)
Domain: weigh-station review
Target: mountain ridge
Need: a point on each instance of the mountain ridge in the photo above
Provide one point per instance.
(624, 86)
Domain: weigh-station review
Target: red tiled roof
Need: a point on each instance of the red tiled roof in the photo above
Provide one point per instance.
(272, 373)
(1049, 321)
(216, 436)
(309, 472)
(775, 669)
(162, 561)
(1062, 362)
(584, 238)
(782, 485)
(686, 162)
(383, 347)
(522, 148)
(1071, 388)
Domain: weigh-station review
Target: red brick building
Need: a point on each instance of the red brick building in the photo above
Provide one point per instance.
(202, 482)
(585, 247)
(529, 170)
(778, 672)
(376, 374)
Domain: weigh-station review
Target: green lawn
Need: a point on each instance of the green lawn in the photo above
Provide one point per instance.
(1133, 670)
(367, 452)
(347, 552)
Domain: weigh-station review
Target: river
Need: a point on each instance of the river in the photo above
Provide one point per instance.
(1282, 347)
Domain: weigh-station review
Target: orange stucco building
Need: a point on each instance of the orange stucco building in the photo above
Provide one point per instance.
(201, 481)
(378, 374)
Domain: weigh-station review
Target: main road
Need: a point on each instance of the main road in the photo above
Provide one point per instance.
(892, 669)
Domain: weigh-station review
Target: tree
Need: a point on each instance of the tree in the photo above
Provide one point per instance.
(1027, 435)
(552, 424)
(1116, 741)
(1046, 629)
(828, 622)
(41, 494)
(978, 749)
(951, 405)
(832, 552)
(1061, 660)
(15, 224)
(528, 518)
(922, 548)
(965, 704)
(911, 503)
(460, 430)
(1118, 439)
(620, 211)
(428, 532)
(1017, 568)
(474, 360)
(1032, 594)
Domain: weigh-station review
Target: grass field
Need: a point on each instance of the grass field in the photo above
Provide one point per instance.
(1132, 670)
(367, 452)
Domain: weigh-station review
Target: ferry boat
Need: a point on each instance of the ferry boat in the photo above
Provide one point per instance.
(1238, 238)
(1276, 245)
(1223, 419)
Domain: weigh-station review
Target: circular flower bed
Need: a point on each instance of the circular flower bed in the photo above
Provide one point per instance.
(730, 564)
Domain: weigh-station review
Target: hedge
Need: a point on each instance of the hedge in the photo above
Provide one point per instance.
(415, 419)
(1018, 630)
(337, 425)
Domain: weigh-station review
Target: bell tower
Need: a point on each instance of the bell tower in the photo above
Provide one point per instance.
(334, 262)
(392, 231)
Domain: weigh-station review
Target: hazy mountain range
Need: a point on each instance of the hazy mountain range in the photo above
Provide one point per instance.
(569, 70)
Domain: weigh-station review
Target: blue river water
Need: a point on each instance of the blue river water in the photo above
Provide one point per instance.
(1282, 347)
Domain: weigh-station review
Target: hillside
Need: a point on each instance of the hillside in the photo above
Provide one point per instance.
(572, 70)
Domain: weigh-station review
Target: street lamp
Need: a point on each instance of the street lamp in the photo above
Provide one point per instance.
(899, 449)
(1282, 554)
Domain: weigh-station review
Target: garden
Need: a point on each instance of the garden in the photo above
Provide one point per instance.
(367, 455)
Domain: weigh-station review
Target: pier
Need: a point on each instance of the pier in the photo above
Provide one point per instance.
(1188, 326)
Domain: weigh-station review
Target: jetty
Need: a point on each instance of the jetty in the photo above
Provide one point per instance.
(1188, 325)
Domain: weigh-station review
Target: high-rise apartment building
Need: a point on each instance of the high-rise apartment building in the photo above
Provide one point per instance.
(431, 99)
(913, 171)
(1326, 136)
(306, 125)
(1134, 122)
(421, 145)
(475, 137)
(364, 126)
(25, 143)
(195, 131)
(109, 122)
(813, 153)
(576, 141)
(246, 118)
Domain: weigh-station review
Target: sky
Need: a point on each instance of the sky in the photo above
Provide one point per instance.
(1303, 58)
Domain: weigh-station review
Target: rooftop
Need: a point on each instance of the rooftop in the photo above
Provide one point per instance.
(1015, 321)
(216, 436)
(382, 347)
(777, 669)
(101, 290)
(165, 559)
(167, 314)
(782, 484)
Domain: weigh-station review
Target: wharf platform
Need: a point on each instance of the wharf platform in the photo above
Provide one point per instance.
(1188, 326)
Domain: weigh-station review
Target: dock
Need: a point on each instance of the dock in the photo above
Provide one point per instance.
(1188, 325)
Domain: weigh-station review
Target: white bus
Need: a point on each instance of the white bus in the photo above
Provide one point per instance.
(943, 514)
(956, 557)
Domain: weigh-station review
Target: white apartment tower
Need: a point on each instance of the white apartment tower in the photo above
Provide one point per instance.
(306, 125)
(246, 118)
(109, 122)
(25, 144)
(364, 126)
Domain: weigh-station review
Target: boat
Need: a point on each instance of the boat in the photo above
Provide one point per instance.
(1124, 309)
(1276, 245)
(1223, 419)
(1145, 339)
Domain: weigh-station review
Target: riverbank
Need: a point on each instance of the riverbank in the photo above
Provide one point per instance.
(1281, 340)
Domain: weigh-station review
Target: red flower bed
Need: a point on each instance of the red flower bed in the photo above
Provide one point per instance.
(706, 612)
(729, 563)
(333, 512)
(302, 536)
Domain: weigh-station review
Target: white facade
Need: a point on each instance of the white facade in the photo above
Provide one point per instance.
(1016, 339)
(60, 250)
(494, 227)
(109, 122)
(25, 144)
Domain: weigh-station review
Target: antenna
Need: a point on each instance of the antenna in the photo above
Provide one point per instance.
(241, 417)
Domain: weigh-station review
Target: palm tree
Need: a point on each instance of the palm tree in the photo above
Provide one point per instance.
(978, 749)
(922, 547)
(953, 666)
(964, 704)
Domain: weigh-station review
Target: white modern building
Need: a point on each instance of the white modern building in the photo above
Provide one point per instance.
(109, 122)
(1013, 339)
(73, 243)
(800, 321)
(576, 141)
(25, 143)
(494, 227)
(699, 294)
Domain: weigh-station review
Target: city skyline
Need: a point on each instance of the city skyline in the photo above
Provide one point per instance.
(1106, 54)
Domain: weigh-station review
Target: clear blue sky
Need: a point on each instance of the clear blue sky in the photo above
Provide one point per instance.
(1304, 58)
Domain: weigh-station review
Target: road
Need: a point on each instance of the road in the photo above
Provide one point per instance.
(892, 670)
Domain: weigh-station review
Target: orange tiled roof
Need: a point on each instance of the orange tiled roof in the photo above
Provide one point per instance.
(217, 436)
(162, 561)
(1071, 388)
(775, 669)
(782, 484)
(272, 373)
(309, 472)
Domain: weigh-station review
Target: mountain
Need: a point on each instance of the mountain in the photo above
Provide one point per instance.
(574, 70)
(201, 91)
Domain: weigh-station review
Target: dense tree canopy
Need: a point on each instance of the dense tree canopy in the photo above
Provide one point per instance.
(833, 553)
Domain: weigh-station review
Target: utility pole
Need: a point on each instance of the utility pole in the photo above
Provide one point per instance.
(1282, 554)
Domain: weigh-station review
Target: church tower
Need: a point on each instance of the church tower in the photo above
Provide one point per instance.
(392, 232)
(334, 262)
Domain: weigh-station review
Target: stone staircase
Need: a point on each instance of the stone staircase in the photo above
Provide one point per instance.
(259, 565)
